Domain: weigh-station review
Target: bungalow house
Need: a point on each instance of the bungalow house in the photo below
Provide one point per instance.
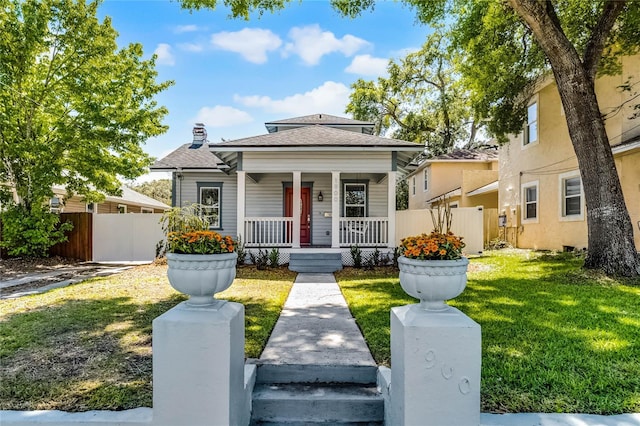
(312, 186)
(540, 190)
(129, 202)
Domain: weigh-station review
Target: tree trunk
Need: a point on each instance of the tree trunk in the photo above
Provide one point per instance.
(610, 235)
(611, 245)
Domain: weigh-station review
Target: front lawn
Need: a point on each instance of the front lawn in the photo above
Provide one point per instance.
(554, 338)
(88, 346)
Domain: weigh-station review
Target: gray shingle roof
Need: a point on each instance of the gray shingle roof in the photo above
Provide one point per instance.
(314, 136)
(324, 119)
(470, 154)
(188, 156)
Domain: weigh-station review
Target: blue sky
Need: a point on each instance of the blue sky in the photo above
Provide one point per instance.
(234, 75)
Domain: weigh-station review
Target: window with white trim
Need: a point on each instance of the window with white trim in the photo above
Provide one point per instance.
(355, 200)
(571, 195)
(530, 201)
(146, 210)
(426, 179)
(122, 208)
(91, 208)
(210, 201)
(531, 129)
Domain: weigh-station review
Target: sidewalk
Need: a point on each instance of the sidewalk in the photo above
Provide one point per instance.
(316, 328)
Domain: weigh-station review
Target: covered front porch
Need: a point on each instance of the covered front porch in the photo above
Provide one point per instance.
(334, 209)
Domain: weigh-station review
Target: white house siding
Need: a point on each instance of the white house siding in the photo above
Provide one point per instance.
(363, 161)
(187, 193)
(265, 198)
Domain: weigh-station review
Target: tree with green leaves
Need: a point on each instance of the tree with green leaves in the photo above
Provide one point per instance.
(74, 108)
(423, 99)
(509, 46)
(159, 189)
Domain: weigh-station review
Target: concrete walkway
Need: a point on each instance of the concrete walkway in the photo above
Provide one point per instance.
(316, 328)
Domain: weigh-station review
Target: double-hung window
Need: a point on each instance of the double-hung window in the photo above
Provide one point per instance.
(355, 199)
(531, 131)
(426, 179)
(530, 202)
(571, 190)
(210, 196)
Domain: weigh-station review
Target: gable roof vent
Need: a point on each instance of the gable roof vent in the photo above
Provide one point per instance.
(199, 135)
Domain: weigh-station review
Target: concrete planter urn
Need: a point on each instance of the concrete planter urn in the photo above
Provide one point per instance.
(433, 281)
(201, 276)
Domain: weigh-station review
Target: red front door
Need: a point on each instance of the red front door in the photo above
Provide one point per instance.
(305, 212)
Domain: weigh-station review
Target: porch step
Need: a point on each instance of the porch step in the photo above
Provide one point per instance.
(292, 395)
(315, 262)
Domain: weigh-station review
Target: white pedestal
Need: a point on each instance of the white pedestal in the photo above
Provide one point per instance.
(198, 366)
(435, 368)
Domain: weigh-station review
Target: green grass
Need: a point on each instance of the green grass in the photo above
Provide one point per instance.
(88, 346)
(554, 337)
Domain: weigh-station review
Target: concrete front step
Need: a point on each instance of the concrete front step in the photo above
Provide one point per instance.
(316, 403)
(306, 373)
(315, 262)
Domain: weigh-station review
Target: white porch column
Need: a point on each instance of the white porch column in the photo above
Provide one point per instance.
(296, 201)
(335, 209)
(241, 204)
(391, 208)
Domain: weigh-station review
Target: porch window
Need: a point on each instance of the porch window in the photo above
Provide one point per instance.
(530, 201)
(355, 200)
(209, 197)
(531, 131)
(571, 189)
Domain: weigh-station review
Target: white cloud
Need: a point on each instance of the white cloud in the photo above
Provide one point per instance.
(252, 43)
(191, 47)
(165, 57)
(368, 65)
(330, 98)
(221, 116)
(311, 44)
(187, 29)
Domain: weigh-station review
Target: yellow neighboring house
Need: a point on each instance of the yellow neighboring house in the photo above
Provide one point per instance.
(466, 178)
(130, 202)
(540, 194)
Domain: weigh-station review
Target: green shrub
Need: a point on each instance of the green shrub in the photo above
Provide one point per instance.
(31, 232)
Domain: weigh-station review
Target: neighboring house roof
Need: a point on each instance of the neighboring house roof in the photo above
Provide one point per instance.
(626, 146)
(129, 196)
(490, 187)
(315, 138)
(486, 155)
(189, 157)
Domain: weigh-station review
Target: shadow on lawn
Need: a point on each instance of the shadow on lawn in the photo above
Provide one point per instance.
(547, 346)
(86, 354)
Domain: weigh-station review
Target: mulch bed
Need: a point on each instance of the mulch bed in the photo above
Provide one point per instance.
(21, 266)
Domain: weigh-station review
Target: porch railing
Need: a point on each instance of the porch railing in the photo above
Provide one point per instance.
(364, 231)
(268, 231)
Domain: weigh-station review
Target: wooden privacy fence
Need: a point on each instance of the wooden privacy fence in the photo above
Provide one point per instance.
(79, 240)
(468, 222)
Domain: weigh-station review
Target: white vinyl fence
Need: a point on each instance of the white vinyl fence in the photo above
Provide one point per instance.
(468, 222)
(126, 237)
